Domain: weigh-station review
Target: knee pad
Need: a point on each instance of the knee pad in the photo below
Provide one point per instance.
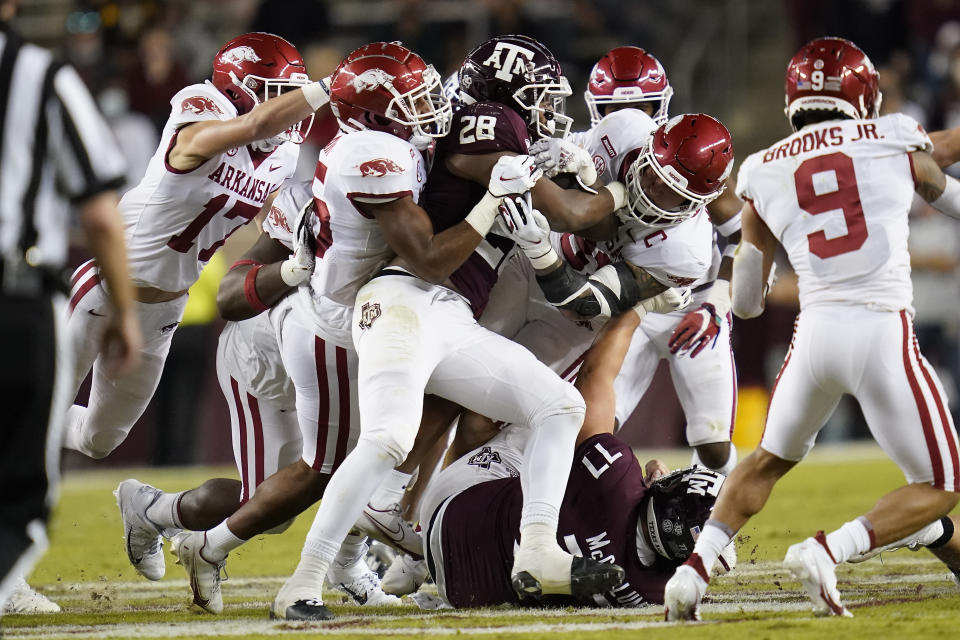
(565, 411)
(392, 439)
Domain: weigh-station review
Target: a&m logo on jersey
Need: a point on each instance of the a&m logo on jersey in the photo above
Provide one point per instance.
(198, 105)
(379, 167)
(368, 313)
(371, 79)
(509, 60)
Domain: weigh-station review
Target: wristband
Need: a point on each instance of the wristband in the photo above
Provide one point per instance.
(730, 250)
(316, 94)
(619, 193)
(250, 290)
(949, 201)
(543, 260)
(587, 173)
(719, 297)
(244, 263)
(730, 227)
(483, 214)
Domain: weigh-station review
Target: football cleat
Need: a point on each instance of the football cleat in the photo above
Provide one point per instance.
(915, 541)
(380, 557)
(142, 537)
(726, 561)
(360, 583)
(24, 599)
(404, 576)
(294, 603)
(955, 575)
(388, 526)
(204, 575)
(684, 591)
(540, 572)
(812, 564)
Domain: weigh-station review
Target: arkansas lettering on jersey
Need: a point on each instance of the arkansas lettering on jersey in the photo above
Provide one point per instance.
(175, 220)
(843, 218)
(480, 128)
(598, 519)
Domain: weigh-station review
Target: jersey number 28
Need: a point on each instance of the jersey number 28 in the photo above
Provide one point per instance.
(846, 197)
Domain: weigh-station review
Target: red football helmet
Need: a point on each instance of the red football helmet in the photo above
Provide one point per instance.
(691, 155)
(832, 74)
(628, 75)
(255, 67)
(386, 87)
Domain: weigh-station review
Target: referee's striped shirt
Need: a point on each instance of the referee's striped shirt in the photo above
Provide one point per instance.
(55, 149)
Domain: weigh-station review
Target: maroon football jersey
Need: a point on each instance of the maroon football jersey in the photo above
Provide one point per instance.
(598, 519)
(481, 128)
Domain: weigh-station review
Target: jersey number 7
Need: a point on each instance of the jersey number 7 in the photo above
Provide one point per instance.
(846, 197)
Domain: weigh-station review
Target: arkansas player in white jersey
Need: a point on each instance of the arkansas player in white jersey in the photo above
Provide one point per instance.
(218, 161)
(836, 195)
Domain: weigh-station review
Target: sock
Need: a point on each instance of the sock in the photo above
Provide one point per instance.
(220, 542)
(353, 548)
(713, 539)
(538, 525)
(165, 512)
(851, 539)
(947, 532)
(306, 583)
(391, 490)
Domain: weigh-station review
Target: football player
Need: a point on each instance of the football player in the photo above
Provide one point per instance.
(367, 185)
(610, 510)
(414, 334)
(228, 144)
(843, 223)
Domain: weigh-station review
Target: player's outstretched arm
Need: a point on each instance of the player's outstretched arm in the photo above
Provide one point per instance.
(752, 264)
(600, 368)
(946, 146)
(934, 186)
(199, 141)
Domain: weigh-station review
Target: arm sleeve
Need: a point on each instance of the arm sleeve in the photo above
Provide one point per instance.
(90, 162)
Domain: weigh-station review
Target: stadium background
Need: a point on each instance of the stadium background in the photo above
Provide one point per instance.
(724, 57)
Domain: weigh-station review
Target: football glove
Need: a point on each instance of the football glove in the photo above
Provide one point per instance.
(698, 329)
(513, 176)
(298, 267)
(672, 299)
(555, 155)
(528, 228)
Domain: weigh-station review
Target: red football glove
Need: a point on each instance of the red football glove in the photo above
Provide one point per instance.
(697, 329)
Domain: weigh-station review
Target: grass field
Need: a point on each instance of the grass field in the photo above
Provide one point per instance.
(899, 595)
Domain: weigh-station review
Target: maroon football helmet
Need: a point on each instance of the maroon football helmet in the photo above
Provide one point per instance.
(386, 87)
(521, 73)
(255, 67)
(627, 76)
(832, 74)
(691, 155)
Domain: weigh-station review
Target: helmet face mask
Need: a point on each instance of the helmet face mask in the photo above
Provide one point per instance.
(628, 77)
(677, 506)
(682, 168)
(521, 73)
(386, 87)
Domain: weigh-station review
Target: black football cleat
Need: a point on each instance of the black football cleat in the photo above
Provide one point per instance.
(304, 610)
(587, 578)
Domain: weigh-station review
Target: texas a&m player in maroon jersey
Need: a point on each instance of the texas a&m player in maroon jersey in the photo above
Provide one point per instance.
(610, 511)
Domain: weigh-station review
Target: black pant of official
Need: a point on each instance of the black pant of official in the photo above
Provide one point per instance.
(27, 374)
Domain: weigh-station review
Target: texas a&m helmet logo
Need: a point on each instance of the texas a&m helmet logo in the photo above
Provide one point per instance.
(379, 167)
(368, 313)
(509, 59)
(371, 79)
(198, 105)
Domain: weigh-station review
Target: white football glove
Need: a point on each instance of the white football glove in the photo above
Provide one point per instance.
(298, 267)
(528, 228)
(513, 176)
(670, 300)
(555, 155)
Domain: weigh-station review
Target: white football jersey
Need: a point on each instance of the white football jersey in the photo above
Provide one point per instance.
(175, 220)
(283, 212)
(681, 255)
(836, 195)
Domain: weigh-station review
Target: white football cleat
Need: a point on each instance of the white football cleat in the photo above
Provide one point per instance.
(812, 564)
(550, 570)
(141, 536)
(204, 575)
(726, 561)
(404, 576)
(388, 526)
(915, 541)
(684, 591)
(380, 556)
(24, 599)
(360, 583)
